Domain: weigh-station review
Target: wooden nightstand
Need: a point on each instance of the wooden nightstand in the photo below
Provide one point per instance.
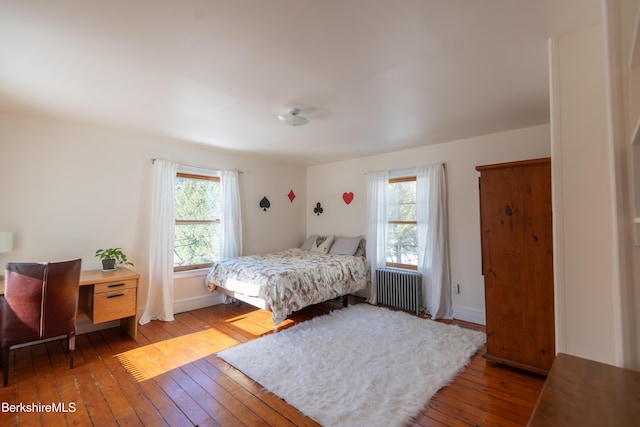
(110, 295)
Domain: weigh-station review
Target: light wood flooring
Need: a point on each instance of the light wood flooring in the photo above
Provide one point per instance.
(171, 377)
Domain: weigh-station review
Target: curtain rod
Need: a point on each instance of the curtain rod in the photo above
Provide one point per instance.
(444, 165)
(153, 161)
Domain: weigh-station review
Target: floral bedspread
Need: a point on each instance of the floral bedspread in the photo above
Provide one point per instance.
(291, 279)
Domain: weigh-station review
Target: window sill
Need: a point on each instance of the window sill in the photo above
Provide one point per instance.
(406, 267)
(190, 273)
(400, 269)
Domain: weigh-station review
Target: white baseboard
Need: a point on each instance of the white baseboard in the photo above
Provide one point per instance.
(195, 303)
(461, 313)
(469, 315)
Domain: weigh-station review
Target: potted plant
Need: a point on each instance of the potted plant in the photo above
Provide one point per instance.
(112, 258)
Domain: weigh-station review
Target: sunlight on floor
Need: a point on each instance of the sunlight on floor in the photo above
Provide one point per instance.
(161, 357)
(255, 323)
(158, 358)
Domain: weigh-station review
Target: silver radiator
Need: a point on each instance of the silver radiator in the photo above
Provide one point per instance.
(399, 288)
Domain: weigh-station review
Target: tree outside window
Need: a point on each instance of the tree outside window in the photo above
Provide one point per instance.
(402, 237)
(197, 230)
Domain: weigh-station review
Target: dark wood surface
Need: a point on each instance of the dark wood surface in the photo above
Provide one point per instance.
(517, 263)
(171, 377)
(581, 392)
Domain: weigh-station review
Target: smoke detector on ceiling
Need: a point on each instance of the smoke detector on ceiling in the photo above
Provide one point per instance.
(293, 118)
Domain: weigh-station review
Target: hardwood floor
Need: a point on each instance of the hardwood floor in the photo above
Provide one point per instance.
(171, 377)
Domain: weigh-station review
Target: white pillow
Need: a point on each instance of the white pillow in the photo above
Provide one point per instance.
(322, 244)
(343, 245)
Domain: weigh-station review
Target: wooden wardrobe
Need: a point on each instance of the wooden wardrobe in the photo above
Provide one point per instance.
(517, 263)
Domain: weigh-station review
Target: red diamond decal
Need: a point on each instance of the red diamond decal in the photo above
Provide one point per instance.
(291, 196)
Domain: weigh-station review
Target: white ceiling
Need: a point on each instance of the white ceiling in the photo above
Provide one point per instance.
(372, 75)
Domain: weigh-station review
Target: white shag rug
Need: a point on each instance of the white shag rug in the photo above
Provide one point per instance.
(359, 366)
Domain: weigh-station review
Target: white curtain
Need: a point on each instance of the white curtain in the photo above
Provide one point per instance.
(377, 185)
(159, 304)
(231, 221)
(433, 240)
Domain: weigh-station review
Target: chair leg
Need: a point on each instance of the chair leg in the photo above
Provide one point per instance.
(5, 366)
(72, 349)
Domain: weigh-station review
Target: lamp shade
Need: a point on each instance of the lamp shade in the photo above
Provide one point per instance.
(6, 241)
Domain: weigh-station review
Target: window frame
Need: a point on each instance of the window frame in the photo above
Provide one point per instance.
(190, 175)
(411, 178)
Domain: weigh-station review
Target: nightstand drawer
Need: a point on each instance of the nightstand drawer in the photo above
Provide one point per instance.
(114, 304)
(114, 286)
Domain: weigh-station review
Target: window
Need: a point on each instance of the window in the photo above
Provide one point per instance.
(197, 231)
(402, 237)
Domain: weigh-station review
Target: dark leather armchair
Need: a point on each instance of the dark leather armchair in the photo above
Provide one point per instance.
(40, 302)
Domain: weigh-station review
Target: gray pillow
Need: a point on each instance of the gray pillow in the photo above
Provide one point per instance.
(343, 245)
(306, 245)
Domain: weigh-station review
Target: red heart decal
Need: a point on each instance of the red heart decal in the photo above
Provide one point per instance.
(347, 197)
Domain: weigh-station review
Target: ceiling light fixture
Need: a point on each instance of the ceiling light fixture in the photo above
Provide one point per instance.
(293, 118)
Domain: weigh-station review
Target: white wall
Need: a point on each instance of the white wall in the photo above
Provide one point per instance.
(327, 183)
(586, 311)
(69, 189)
(623, 92)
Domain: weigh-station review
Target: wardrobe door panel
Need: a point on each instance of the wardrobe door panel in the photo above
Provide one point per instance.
(517, 263)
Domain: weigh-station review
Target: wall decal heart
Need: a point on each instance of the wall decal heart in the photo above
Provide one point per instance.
(347, 197)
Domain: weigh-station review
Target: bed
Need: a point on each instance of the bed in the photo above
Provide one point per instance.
(323, 268)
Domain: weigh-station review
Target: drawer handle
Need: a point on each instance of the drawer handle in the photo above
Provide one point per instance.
(115, 285)
(115, 295)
